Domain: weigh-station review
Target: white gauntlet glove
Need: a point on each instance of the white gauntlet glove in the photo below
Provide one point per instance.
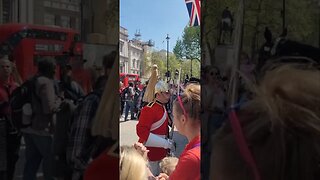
(171, 145)
(157, 141)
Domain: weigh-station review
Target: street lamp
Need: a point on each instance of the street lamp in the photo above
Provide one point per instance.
(167, 56)
(191, 69)
(283, 14)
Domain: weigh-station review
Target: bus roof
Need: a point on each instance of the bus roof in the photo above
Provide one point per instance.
(128, 74)
(20, 26)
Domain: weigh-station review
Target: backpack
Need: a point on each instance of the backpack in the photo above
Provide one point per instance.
(125, 93)
(20, 97)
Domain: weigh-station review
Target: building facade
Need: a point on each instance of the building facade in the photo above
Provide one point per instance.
(133, 53)
(135, 56)
(123, 50)
(62, 13)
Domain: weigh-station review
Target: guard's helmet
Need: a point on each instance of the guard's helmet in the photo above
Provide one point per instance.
(161, 87)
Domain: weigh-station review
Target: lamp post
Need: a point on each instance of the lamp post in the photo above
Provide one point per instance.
(283, 15)
(167, 56)
(191, 69)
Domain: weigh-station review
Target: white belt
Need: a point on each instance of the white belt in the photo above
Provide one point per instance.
(159, 123)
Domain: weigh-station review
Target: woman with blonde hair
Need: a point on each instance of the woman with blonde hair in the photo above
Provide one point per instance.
(186, 113)
(133, 166)
(276, 134)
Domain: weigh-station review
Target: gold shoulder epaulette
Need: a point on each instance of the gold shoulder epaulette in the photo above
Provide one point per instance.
(151, 104)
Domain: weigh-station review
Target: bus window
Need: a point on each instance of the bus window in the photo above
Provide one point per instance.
(77, 38)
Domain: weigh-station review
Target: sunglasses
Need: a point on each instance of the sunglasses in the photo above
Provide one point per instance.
(243, 145)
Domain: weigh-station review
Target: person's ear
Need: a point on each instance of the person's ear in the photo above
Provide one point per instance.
(183, 119)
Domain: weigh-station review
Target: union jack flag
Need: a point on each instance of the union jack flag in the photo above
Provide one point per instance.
(194, 8)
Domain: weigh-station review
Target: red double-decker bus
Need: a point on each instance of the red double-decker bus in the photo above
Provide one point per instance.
(126, 78)
(26, 43)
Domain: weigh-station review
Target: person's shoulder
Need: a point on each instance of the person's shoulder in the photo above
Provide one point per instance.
(150, 104)
(192, 155)
(189, 159)
(149, 107)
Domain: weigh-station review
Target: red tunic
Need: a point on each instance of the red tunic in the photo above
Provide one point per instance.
(150, 114)
(188, 166)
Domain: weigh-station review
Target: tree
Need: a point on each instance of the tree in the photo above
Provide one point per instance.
(189, 46)
(178, 49)
(186, 69)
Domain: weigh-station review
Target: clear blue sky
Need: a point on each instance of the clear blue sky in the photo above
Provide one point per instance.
(155, 19)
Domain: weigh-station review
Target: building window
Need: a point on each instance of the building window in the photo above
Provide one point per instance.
(71, 8)
(134, 63)
(47, 3)
(65, 21)
(57, 20)
(49, 19)
(78, 24)
(55, 5)
(63, 6)
(121, 47)
(73, 23)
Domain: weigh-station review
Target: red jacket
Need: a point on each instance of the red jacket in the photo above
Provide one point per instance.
(105, 166)
(188, 166)
(150, 114)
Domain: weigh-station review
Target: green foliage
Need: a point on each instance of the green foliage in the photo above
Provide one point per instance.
(186, 69)
(187, 49)
(159, 58)
(178, 49)
(189, 46)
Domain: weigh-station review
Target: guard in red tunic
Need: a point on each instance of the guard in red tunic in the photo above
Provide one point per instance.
(153, 129)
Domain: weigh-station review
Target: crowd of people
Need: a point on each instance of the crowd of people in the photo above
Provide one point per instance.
(152, 151)
(131, 99)
(57, 121)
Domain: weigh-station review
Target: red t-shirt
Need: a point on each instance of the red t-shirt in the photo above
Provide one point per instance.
(188, 166)
(150, 114)
(105, 166)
